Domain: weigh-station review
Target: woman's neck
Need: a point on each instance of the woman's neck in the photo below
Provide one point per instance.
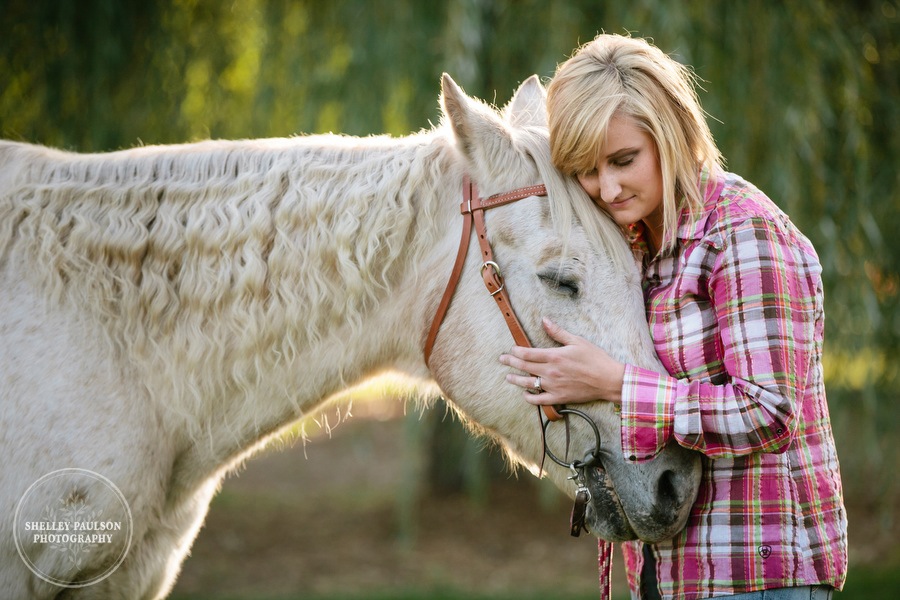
(653, 233)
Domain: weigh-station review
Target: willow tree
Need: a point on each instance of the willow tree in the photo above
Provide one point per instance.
(803, 97)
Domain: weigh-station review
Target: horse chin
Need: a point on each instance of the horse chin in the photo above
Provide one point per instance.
(606, 517)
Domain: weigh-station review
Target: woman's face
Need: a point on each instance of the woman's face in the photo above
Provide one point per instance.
(627, 182)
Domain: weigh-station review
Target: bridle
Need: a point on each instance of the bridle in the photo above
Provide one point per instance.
(472, 208)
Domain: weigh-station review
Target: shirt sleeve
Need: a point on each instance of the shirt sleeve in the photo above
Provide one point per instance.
(763, 289)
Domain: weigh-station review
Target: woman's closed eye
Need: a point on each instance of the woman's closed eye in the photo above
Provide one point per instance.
(623, 160)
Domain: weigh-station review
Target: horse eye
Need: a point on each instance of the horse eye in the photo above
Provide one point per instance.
(561, 283)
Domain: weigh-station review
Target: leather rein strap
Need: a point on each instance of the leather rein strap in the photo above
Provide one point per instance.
(472, 209)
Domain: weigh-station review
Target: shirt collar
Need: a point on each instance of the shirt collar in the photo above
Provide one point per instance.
(692, 226)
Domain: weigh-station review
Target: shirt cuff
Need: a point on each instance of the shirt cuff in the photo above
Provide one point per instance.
(648, 412)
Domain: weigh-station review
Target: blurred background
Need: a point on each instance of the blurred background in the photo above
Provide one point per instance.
(399, 501)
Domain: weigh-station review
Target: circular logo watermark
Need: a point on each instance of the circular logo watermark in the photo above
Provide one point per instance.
(82, 518)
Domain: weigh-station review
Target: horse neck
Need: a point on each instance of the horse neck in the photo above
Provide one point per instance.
(345, 297)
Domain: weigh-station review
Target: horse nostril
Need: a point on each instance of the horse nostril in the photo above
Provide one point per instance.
(666, 494)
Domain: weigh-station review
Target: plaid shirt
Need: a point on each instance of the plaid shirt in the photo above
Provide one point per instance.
(736, 313)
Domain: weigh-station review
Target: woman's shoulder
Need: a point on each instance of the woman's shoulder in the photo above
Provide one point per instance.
(728, 201)
(741, 200)
(742, 212)
(740, 204)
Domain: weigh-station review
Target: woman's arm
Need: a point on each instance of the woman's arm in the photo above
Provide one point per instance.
(765, 290)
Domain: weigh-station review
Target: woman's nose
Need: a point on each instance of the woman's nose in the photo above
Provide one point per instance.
(601, 186)
(608, 186)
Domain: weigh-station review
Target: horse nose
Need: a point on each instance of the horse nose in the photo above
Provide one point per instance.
(666, 495)
(670, 505)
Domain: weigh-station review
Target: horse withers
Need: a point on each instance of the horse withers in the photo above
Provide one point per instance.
(166, 310)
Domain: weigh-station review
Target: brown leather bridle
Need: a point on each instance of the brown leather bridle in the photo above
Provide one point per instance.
(472, 209)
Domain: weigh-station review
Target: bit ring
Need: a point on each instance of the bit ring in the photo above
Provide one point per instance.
(592, 458)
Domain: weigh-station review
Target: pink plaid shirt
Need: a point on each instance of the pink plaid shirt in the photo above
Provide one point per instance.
(736, 313)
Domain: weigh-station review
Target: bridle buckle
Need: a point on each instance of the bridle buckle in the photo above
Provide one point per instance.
(498, 276)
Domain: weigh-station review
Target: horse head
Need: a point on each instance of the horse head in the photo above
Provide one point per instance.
(561, 258)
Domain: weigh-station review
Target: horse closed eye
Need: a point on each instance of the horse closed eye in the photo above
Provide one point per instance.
(557, 282)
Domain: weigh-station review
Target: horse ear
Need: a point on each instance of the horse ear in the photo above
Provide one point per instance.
(528, 107)
(482, 135)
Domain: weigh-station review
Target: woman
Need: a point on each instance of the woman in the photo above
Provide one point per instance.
(734, 300)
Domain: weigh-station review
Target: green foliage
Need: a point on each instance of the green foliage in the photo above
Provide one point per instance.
(804, 99)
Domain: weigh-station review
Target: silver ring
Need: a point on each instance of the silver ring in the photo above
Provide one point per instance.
(537, 385)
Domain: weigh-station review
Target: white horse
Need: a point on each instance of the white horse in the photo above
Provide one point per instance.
(166, 310)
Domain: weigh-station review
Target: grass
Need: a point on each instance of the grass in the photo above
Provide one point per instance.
(863, 584)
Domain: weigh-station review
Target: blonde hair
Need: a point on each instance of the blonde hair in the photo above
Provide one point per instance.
(614, 74)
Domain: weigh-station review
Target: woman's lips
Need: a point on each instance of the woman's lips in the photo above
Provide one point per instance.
(618, 204)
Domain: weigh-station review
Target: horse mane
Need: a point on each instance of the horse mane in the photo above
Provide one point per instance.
(201, 256)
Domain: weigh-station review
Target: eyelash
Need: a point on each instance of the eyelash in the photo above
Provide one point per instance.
(616, 163)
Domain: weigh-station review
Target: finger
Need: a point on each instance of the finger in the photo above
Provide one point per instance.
(542, 399)
(533, 355)
(516, 363)
(523, 381)
(558, 333)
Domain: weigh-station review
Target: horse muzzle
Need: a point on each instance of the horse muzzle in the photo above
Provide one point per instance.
(643, 501)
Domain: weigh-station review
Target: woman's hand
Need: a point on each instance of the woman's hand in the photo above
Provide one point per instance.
(576, 372)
